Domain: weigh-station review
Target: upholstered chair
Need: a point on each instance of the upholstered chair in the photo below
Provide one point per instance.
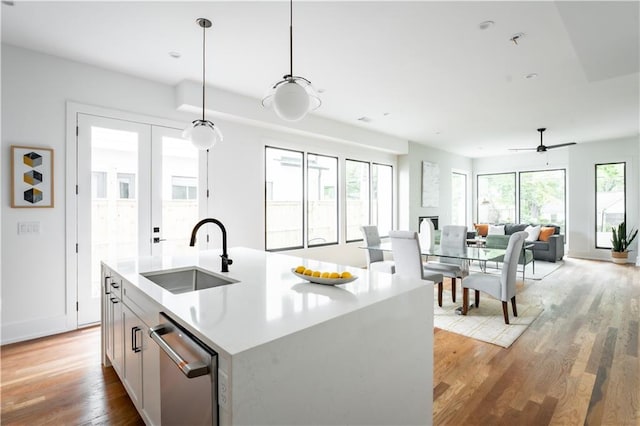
(405, 246)
(501, 287)
(375, 258)
(454, 238)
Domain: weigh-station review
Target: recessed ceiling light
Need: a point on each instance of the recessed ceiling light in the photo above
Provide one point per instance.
(486, 25)
(365, 119)
(531, 76)
(386, 114)
(174, 54)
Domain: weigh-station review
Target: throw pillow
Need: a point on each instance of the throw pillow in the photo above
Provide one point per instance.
(482, 229)
(546, 232)
(496, 230)
(534, 233)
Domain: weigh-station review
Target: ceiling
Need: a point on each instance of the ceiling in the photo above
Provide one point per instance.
(421, 71)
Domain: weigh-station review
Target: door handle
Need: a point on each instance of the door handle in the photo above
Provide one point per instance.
(158, 239)
(134, 339)
(191, 370)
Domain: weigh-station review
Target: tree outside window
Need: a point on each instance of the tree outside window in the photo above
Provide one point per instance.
(497, 198)
(542, 197)
(610, 201)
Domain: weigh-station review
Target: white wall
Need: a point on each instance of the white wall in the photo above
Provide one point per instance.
(35, 91)
(579, 161)
(410, 175)
(582, 182)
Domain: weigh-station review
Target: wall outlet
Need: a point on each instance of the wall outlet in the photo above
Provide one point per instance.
(32, 228)
(223, 389)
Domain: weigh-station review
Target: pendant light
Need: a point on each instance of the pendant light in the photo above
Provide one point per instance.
(203, 133)
(293, 96)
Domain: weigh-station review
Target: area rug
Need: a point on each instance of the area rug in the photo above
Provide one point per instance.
(542, 269)
(486, 322)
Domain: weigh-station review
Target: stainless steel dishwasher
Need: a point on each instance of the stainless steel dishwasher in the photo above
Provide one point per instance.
(188, 382)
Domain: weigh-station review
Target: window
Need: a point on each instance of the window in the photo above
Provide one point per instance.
(357, 208)
(497, 198)
(322, 200)
(283, 199)
(542, 197)
(610, 200)
(458, 198)
(127, 186)
(98, 185)
(381, 197)
(184, 188)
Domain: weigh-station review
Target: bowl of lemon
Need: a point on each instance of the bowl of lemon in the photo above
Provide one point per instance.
(323, 277)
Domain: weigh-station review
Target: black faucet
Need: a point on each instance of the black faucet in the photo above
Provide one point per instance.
(225, 257)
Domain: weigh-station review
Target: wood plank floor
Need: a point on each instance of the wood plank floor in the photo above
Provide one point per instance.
(577, 364)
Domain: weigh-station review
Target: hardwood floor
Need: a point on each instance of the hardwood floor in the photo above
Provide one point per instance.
(576, 364)
(59, 380)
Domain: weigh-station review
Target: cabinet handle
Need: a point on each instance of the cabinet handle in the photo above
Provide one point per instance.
(106, 286)
(115, 285)
(134, 339)
(114, 300)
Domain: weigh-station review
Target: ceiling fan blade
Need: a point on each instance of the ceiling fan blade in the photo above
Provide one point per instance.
(560, 145)
(522, 149)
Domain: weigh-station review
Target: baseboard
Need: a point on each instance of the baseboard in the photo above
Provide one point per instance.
(27, 330)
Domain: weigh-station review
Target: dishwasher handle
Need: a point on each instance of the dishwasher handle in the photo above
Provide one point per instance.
(191, 370)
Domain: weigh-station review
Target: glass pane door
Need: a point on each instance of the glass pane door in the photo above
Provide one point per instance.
(113, 212)
(176, 192)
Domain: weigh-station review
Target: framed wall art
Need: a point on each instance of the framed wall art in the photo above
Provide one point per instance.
(31, 177)
(430, 184)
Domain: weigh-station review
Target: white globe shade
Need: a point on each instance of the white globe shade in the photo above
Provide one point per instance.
(291, 101)
(202, 134)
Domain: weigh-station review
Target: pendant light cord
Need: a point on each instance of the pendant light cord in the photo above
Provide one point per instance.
(204, 29)
(291, 38)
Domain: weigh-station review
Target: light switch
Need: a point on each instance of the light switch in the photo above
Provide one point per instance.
(28, 228)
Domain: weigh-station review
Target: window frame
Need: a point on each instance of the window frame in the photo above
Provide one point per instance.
(306, 198)
(564, 186)
(346, 215)
(515, 193)
(466, 193)
(371, 194)
(595, 204)
(303, 186)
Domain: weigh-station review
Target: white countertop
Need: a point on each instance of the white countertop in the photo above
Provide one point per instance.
(267, 302)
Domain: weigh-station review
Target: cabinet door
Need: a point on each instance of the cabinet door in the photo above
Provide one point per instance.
(107, 319)
(151, 379)
(118, 326)
(133, 341)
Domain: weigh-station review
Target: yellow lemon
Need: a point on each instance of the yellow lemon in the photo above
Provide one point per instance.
(300, 269)
(346, 274)
(325, 275)
(316, 274)
(334, 275)
(308, 272)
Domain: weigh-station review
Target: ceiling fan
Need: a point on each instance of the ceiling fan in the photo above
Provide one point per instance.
(542, 147)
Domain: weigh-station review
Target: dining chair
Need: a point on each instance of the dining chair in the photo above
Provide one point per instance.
(454, 238)
(427, 234)
(405, 246)
(501, 287)
(375, 258)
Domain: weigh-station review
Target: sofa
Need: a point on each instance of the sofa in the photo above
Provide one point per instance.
(549, 248)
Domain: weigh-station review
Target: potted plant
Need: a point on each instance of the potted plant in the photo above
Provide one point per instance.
(621, 242)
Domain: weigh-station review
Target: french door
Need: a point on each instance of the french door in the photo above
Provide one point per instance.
(138, 195)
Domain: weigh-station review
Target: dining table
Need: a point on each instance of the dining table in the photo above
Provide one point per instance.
(482, 255)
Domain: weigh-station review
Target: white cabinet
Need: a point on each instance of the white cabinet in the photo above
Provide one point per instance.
(127, 315)
(133, 329)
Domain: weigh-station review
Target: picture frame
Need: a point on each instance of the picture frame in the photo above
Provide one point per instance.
(32, 177)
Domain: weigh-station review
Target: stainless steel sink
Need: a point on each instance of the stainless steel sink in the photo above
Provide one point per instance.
(188, 279)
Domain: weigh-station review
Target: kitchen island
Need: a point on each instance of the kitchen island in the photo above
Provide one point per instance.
(289, 351)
